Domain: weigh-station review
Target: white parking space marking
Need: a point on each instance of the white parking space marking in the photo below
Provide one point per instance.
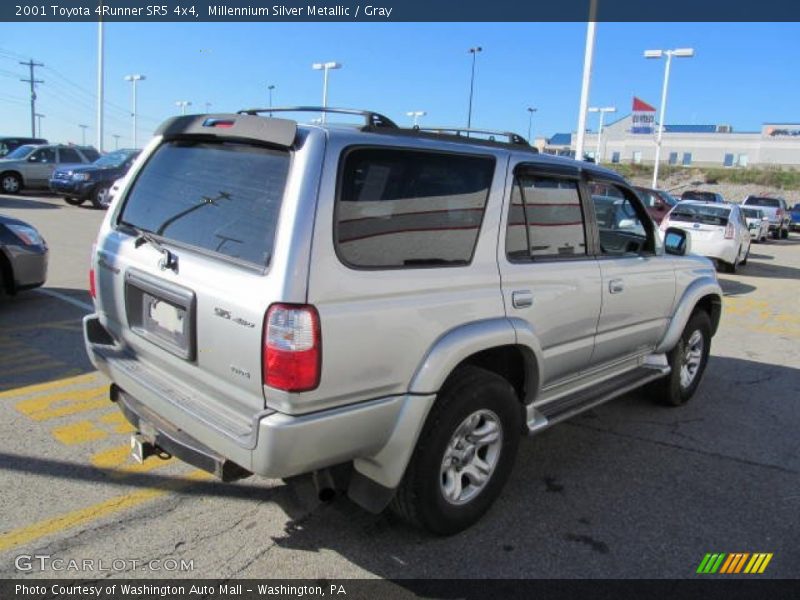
(69, 300)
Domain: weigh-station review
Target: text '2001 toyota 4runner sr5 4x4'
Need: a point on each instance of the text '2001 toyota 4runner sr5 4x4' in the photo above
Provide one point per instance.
(283, 299)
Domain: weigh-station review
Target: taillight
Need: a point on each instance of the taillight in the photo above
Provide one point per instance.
(92, 284)
(292, 353)
(729, 231)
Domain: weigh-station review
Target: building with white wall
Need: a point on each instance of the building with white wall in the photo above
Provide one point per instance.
(777, 144)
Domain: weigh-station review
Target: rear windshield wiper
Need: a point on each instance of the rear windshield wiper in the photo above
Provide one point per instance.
(168, 259)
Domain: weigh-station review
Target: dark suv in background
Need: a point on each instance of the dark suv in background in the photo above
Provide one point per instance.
(78, 183)
(702, 196)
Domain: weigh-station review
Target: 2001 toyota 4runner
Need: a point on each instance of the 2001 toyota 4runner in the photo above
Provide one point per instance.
(280, 299)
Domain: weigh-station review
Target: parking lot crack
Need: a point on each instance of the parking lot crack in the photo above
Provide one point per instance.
(736, 459)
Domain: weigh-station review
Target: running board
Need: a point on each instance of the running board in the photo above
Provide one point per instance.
(551, 413)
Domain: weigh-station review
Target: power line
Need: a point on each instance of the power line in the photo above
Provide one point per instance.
(33, 81)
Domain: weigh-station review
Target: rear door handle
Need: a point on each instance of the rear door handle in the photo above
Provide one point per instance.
(522, 299)
(615, 286)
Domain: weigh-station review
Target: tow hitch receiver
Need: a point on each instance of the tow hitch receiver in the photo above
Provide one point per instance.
(141, 448)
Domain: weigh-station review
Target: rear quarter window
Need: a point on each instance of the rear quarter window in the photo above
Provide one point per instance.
(222, 198)
(406, 208)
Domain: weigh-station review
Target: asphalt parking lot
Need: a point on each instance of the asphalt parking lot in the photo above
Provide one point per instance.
(628, 490)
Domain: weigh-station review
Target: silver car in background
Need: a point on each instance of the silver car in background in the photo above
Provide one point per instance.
(718, 231)
(757, 223)
(23, 256)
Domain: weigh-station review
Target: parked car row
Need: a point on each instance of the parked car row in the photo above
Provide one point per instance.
(77, 173)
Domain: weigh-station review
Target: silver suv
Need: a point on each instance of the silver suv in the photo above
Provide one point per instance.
(282, 299)
(30, 166)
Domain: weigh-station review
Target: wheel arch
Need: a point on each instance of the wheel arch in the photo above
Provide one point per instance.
(704, 294)
(7, 274)
(18, 174)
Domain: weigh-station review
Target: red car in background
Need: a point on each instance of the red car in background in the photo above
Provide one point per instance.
(658, 202)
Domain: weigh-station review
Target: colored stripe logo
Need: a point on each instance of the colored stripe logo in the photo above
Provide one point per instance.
(733, 563)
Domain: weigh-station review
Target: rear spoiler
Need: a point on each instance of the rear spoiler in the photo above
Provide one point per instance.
(279, 132)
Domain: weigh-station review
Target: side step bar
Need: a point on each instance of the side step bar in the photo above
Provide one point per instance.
(551, 413)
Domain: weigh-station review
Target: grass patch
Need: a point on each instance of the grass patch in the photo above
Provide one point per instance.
(777, 177)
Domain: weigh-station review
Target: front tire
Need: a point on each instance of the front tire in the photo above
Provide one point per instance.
(688, 361)
(73, 201)
(464, 454)
(101, 197)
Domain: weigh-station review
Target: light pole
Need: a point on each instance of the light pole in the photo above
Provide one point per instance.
(680, 53)
(325, 67)
(133, 79)
(416, 114)
(83, 134)
(183, 104)
(531, 110)
(39, 117)
(588, 59)
(208, 107)
(602, 110)
(474, 51)
(116, 137)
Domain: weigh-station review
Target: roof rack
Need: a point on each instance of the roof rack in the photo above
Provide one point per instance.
(371, 119)
(513, 138)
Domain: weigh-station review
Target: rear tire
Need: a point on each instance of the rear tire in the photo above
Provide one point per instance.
(688, 360)
(464, 454)
(10, 183)
(73, 201)
(784, 234)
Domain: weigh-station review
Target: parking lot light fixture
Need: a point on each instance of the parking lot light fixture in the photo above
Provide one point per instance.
(416, 114)
(133, 79)
(680, 53)
(531, 110)
(325, 67)
(474, 51)
(183, 104)
(602, 110)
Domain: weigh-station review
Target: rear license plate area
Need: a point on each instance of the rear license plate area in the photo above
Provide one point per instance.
(161, 312)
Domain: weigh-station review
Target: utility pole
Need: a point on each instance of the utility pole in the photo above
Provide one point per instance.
(33, 81)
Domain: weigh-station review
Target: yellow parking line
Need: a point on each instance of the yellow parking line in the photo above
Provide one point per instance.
(42, 387)
(119, 460)
(78, 433)
(42, 408)
(37, 367)
(21, 356)
(118, 421)
(82, 516)
(46, 324)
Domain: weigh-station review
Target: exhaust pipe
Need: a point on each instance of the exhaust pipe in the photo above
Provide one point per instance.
(323, 484)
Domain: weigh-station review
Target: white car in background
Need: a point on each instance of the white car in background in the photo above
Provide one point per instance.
(757, 223)
(718, 231)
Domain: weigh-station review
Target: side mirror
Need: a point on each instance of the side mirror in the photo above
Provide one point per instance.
(676, 241)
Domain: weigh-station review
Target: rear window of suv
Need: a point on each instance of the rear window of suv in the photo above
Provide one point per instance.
(408, 208)
(758, 201)
(217, 197)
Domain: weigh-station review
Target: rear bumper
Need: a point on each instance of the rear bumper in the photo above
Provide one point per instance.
(280, 445)
(725, 251)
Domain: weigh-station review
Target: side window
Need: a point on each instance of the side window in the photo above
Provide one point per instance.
(545, 219)
(45, 155)
(406, 208)
(623, 225)
(68, 155)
